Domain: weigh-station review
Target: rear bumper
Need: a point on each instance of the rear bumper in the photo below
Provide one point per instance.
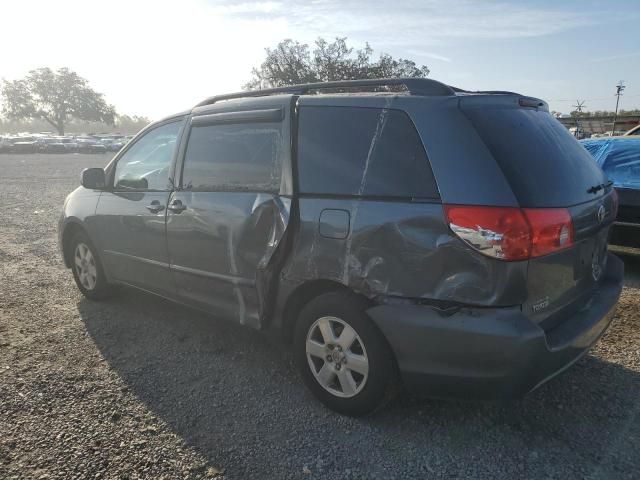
(489, 353)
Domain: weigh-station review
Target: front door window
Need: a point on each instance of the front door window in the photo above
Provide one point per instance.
(146, 165)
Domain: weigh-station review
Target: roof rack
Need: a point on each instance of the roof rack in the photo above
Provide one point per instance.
(415, 86)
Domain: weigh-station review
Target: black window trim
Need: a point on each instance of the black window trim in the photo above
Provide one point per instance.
(110, 169)
(273, 115)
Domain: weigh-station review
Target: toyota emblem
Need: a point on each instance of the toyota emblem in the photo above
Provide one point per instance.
(601, 214)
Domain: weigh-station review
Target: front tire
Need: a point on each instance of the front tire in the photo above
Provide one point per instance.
(342, 357)
(87, 268)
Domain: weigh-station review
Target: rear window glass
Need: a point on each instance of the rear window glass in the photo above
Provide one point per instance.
(543, 162)
(363, 152)
(233, 157)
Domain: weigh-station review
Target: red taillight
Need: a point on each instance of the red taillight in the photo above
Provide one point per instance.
(500, 232)
(551, 229)
(511, 233)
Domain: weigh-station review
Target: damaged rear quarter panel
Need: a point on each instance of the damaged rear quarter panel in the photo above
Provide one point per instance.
(402, 249)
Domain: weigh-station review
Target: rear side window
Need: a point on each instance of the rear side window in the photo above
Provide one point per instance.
(544, 164)
(362, 152)
(240, 156)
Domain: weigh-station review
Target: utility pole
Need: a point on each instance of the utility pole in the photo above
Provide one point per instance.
(619, 88)
(578, 106)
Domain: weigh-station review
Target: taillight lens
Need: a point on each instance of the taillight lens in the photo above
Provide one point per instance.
(551, 229)
(500, 232)
(510, 233)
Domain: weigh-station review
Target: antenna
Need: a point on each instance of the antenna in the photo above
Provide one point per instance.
(578, 109)
(619, 89)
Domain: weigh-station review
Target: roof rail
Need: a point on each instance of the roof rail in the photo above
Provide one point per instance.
(415, 86)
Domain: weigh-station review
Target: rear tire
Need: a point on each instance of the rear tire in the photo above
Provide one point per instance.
(342, 357)
(87, 268)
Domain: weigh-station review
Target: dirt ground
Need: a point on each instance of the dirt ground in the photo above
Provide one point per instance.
(138, 388)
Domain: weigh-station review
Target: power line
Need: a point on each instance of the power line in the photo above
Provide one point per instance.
(589, 99)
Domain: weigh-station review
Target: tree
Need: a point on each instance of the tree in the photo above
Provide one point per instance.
(131, 124)
(55, 97)
(291, 62)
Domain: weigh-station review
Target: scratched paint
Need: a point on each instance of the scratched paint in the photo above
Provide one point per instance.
(382, 121)
(399, 250)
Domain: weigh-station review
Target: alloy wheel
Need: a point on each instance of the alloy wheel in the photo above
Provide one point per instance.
(337, 357)
(85, 265)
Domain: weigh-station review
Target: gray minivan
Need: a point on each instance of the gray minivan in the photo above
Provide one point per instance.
(397, 231)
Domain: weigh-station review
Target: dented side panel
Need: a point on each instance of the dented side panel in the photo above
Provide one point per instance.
(402, 247)
(226, 247)
(398, 249)
(222, 251)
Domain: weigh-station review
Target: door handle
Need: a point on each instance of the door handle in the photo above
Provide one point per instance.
(177, 206)
(155, 207)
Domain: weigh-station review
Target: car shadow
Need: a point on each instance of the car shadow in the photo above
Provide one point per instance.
(631, 259)
(233, 394)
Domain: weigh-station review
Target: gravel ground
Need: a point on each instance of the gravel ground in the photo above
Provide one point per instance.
(139, 388)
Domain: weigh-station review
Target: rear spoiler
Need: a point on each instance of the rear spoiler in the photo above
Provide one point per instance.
(499, 98)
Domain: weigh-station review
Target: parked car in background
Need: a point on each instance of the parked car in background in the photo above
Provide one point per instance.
(5, 144)
(635, 131)
(619, 157)
(113, 144)
(362, 226)
(24, 145)
(83, 144)
(52, 145)
(70, 144)
(106, 142)
(118, 144)
(90, 145)
(97, 147)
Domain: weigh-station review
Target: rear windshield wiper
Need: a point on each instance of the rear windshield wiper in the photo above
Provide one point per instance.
(597, 188)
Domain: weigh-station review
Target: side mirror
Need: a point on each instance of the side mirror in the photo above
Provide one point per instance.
(93, 178)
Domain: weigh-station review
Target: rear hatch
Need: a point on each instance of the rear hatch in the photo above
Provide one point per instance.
(549, 171)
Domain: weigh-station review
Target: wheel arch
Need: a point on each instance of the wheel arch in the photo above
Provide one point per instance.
(302, 295)
(70, 229)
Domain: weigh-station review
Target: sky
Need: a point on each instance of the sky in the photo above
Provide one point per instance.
(156, 57)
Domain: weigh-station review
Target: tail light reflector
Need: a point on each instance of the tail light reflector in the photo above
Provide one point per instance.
(511, 233)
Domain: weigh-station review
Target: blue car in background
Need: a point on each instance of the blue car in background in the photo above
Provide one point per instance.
(619, 157)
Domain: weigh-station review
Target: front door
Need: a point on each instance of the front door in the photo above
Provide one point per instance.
(131, 216)
(225, 224)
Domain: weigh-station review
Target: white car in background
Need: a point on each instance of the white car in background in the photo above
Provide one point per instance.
(633, 132)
